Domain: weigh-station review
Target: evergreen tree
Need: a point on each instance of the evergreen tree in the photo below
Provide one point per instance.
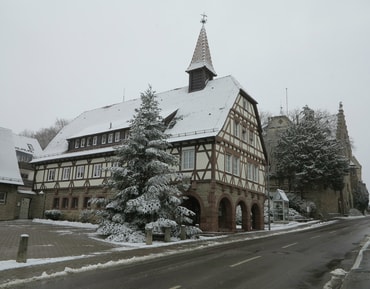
(146, 193)
(309, 156)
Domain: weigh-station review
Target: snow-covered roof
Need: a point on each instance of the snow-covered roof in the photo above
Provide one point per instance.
(199, 114)
(9, 170)
(280, 195)
(27, 145)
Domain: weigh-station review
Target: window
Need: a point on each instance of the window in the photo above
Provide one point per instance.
(228, 162)
(30, 147)
(66, 173)
(253, 172)
(117, 136)
(236, 128)
(89, 141)
(251, 137)
(2, 198)
(104, 139)
(74, 204)
(51, 175)
(95, 140)
(96, 171)
(188, 157)
(110, 138)
(82, 142)
(56, 203)
(236, 166)
(244, 134)
(65, 203)
(77, 143)
(245, 104)
(86, 203)
(80, 171)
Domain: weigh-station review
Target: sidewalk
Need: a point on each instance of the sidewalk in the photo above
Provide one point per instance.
(82, 252)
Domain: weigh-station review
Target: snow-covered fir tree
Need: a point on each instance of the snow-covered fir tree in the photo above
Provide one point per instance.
(145, 184)
(309, 156)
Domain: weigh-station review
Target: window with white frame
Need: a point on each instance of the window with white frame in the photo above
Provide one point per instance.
(51, 175)
(66, 173)
(95, 140)
(251, 137)
(97, 171)
(236, 166)
(228, 163)
(104, 139)
(110, 138)
(80, 172)
(188, 159)
(2, 198)
(236, 128)
(89, 141)
(253, 172)
(77, 143)
(83, 142)
(244, 134)
(117, 136)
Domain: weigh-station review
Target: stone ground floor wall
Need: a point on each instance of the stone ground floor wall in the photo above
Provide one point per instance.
(215, 204)
(218, 204)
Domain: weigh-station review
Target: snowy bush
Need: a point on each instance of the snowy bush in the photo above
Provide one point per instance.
(53, 214)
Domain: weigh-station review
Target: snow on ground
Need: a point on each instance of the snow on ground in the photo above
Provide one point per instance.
(5, 265)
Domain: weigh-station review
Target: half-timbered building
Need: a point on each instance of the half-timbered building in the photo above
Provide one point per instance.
(213, 127)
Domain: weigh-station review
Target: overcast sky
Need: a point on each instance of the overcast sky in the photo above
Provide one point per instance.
(60, 58)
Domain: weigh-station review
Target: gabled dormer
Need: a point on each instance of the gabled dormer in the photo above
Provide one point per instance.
(201, 68)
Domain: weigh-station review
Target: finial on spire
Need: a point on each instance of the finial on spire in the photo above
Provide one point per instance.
(204, 18)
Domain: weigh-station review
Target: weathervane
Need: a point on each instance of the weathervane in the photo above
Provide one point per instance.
(203, 20)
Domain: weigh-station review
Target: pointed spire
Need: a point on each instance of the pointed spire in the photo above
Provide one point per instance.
(202, 55)
(201, 68)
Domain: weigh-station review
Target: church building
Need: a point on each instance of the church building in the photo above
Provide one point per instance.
(214, 128)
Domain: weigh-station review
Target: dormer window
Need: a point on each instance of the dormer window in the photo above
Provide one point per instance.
(117, 136)
(110, 138)
(104, 139)
(77, 143)
(95, 140)
(89, 141)
(83, 142)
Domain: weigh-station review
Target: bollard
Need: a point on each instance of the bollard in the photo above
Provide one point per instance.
(182, 233)
(22, 249)
(149, 236)
(167, 234)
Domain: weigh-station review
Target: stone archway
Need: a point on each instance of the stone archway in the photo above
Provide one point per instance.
(225, 215)
(193, 204)
(241, 215)
(256, 217)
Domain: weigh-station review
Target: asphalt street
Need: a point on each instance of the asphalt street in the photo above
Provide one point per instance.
(296, 260)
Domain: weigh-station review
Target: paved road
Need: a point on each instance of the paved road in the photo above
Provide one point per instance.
(296, 260)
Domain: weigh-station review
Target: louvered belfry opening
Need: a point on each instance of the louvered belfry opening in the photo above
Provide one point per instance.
(201, 68)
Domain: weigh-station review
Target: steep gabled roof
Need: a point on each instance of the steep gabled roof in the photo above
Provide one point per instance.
(197, 115)
(9, 170)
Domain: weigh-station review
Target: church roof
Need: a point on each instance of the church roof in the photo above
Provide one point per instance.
(197, 115)
(202, 55)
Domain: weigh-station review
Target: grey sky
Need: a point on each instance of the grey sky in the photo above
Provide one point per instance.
(60, 58)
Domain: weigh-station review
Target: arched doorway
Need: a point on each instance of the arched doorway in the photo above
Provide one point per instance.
(241, 217)
(192, 204)
(225, 215)
(257, 217)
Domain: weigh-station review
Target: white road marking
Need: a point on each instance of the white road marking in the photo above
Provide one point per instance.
(176, 287)
(331, 232)
(314, 237)
(289, 245)
(245, 261)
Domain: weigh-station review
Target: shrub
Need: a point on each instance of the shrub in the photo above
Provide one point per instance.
(53, 214)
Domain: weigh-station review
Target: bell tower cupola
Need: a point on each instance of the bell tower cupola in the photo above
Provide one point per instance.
(201, 68)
